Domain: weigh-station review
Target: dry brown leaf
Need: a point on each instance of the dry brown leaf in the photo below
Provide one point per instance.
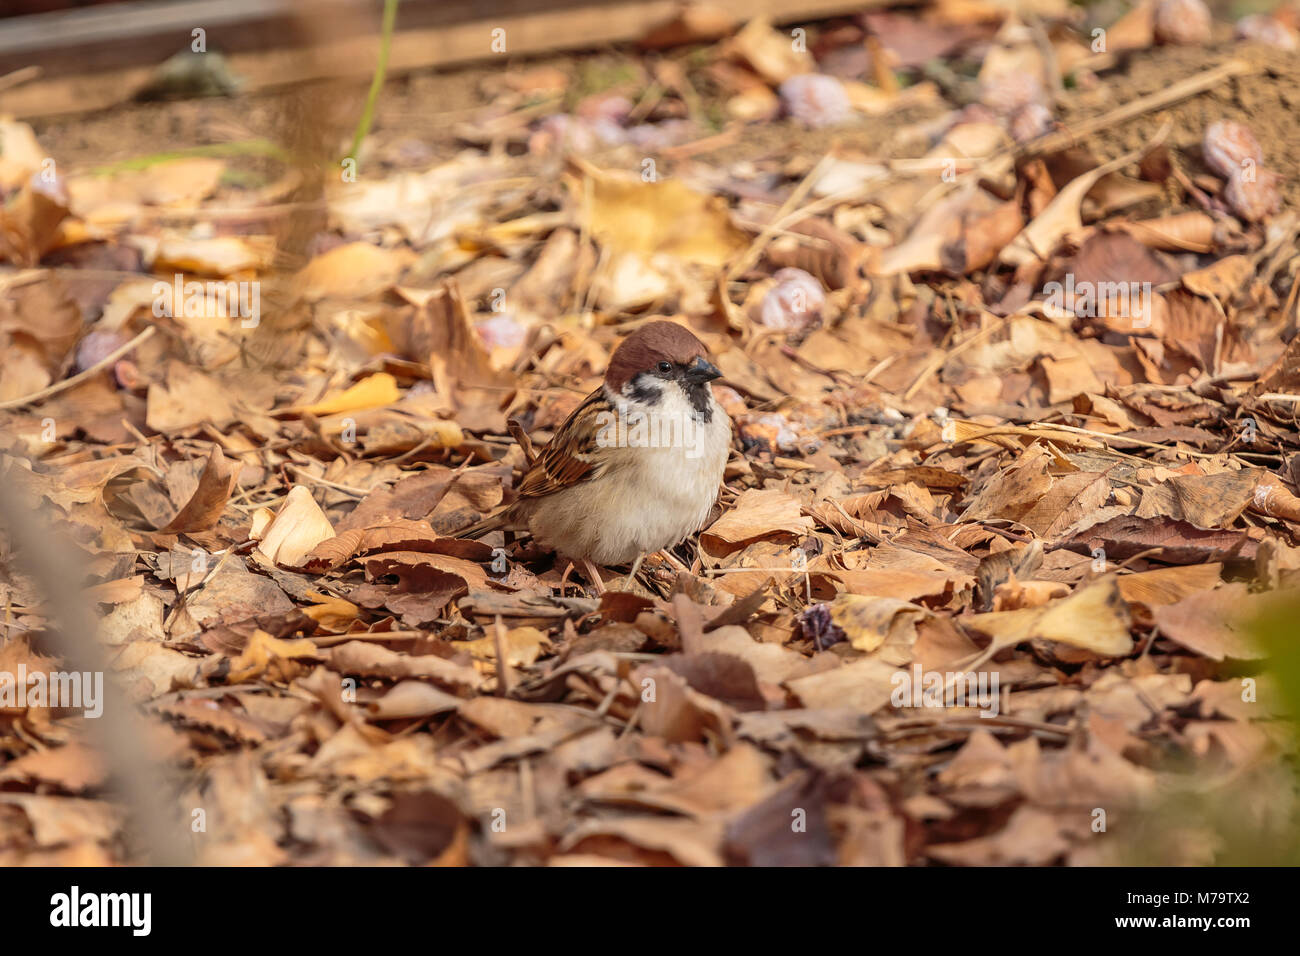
(757, 515)
(1205, 501)
(266, 655)
(770, 53)
(57, 821)
(217, 256)
(523, 646)
(1183, 232)
(1214, 623)
(1273, 499)
(204, 508)
(869, 622)
(331, 614)
(355, 270)
(1169, 585)
(864, 686)
(188, 399)
(1093, 618)
(371, 660)
(148, 669)
(627, 215)
(72, 767)
(30, 221)
(412, 698)
(298, 527)
(1060, 218)
(1223, 279)
(676, 712)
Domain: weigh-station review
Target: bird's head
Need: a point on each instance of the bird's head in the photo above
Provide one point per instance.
(657, 356)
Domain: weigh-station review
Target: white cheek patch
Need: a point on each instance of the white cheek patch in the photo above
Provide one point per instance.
(670, 422)
(642, 389)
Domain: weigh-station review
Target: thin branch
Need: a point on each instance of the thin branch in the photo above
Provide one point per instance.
(80, 377)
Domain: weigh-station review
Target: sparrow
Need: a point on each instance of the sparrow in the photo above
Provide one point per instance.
(637, 466)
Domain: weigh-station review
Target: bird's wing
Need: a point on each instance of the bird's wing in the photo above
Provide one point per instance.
(574, 455)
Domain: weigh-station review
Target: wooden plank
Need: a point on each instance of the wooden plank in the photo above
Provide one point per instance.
(131, 32)
(532, 27)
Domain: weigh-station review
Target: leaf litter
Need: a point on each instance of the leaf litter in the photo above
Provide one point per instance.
(1010, 350)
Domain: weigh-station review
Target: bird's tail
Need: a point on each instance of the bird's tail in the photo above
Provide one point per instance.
(492, 522)
(507, 516)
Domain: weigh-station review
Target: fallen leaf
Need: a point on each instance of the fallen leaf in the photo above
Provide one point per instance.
(298, 527)
(265, 654)
(1215, 623)
(757, 515)
(373, 391)
(1093, 618)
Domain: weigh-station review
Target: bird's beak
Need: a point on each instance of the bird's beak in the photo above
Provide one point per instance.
(701, 371)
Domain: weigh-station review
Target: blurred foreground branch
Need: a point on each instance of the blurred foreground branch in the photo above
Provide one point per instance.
(119, 733)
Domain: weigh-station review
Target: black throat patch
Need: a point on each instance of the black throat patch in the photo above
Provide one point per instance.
(699, 396)
(646, 390)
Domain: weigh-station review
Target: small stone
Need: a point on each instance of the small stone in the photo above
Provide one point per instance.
(1182, 23)
(1006, 93)
(1030, 122)
(794, 303)
(1261, 28)
(1229, 146)
(1254, 193)
(815, 100)
(97, 346)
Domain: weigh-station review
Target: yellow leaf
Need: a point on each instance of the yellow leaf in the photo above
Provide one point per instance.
(870, 621)
(1094, 618)
(331, 613)
(373, 391)
(523, 645)
(627, 215)
(263, 651)
(357, 270)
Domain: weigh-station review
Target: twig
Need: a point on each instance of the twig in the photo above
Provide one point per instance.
(960, 723)
(943, 357)
(329, 640)
(1053, 142)
(1048, 53)
(19, 77)
(1106, 438)
(716, 141)
(792, 464)
(505, 676)
(313, 479)
(525, 443)
(80, 377)
(1031, 431)
(750, 255)
(249, 147)
(849, 430)
(1122, 566)
(119, 732)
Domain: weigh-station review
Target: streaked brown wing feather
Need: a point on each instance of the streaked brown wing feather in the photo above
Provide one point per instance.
(571, 456)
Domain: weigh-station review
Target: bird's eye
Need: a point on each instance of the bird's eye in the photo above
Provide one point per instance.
(665, 367)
